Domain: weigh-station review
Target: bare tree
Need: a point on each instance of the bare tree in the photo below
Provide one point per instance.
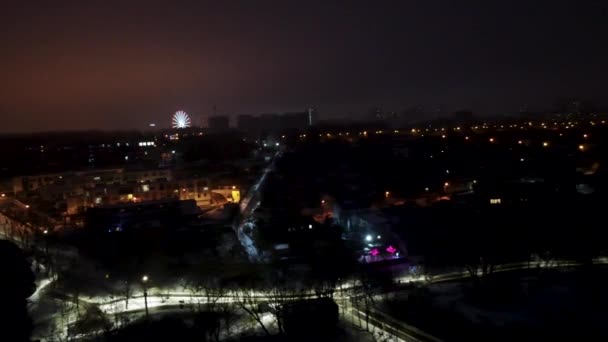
(213, 293)
(248, 302)
(382, 336)
(275, 300)
(193, 288)
(228, 316)
(325, 288)
(66, 311)
(93, 322)
(363, 298)
(277, 297)
(126, 291)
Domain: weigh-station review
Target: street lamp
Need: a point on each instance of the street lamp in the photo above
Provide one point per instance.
(368, 238)
(144, 279)
(46, 241)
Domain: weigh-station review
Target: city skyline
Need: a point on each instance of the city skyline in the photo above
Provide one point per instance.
(109, 65)
(196, 170)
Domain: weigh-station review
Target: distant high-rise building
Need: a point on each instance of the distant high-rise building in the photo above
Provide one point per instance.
(269, 122)
(376, 113)
(246, 122)
(218, 123)
(463, 116)
(274, 122)
(312, 112)
(299, 120)
(572, 107)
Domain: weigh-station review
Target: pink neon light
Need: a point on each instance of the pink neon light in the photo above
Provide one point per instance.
(391, 249)
(374, 252)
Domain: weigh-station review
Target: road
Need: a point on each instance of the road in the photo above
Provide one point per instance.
(245, 225)
(384, 327)
(346, 292)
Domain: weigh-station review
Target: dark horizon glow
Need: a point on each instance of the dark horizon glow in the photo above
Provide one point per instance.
(121, 65)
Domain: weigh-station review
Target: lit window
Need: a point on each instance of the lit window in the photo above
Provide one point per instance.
(495, 201)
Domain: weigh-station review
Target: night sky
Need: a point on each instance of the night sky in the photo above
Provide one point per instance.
(123, 64)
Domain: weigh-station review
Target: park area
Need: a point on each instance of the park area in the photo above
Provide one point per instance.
(541, 305)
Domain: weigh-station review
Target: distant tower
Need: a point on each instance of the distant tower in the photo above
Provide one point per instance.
(311, 114)
(376, 113)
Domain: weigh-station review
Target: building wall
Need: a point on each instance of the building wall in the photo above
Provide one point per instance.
(198, 190)
(218, 123)
(82, 190)
(274, 122)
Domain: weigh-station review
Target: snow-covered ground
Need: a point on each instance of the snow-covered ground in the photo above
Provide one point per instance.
(246, 226)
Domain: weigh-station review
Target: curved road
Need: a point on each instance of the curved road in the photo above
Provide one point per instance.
(379, 321)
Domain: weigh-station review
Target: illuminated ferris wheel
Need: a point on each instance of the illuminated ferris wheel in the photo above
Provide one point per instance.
(181, 119)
